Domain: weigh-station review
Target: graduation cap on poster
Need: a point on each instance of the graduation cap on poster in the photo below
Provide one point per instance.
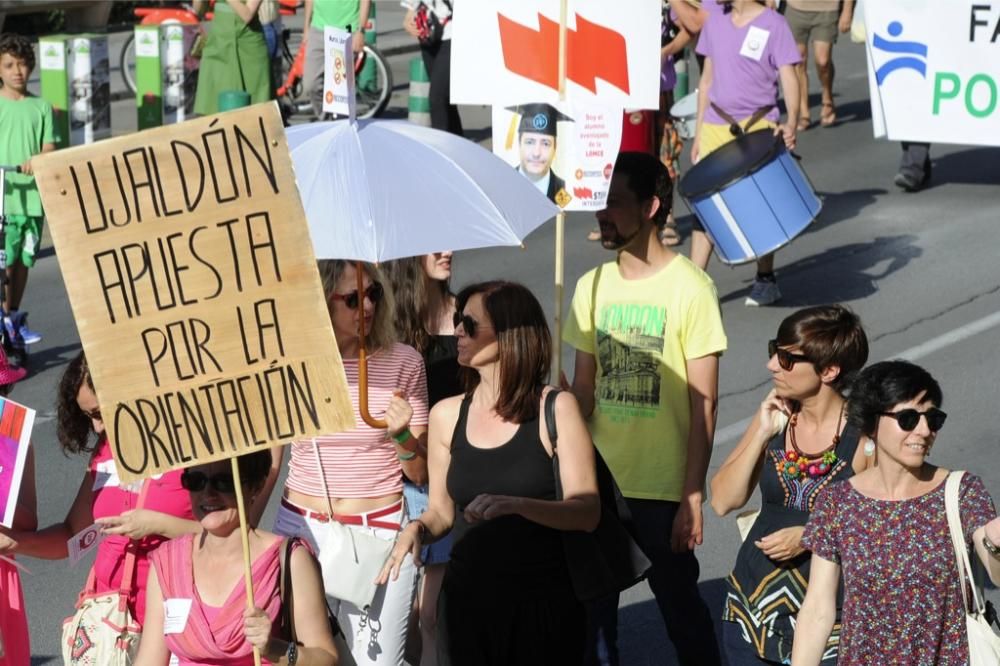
(540, 118)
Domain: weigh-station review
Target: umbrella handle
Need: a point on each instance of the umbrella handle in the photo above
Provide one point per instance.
(363, 356)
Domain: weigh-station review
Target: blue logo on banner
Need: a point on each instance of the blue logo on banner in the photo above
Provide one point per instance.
(540, 121)
(913, 55)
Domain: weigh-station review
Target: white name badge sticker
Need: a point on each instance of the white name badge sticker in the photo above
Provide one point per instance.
(754, 43)
(175, 615)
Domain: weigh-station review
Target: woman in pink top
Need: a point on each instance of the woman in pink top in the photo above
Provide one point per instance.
(197, 608)
(104, 500)
(356, 477)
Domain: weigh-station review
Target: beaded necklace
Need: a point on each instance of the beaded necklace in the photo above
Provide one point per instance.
(797, 465)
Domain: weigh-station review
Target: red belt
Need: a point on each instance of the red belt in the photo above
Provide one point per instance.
(369, 519)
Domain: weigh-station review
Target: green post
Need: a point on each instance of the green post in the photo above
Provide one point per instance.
(420, 89)
(681, 67)
(233, 99)
(148, 76)
(367, 77)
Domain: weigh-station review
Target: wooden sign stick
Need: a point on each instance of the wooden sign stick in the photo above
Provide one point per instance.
(561, 217)
(245, 534)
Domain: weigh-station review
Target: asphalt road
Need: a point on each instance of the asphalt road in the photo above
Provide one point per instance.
(920, 269)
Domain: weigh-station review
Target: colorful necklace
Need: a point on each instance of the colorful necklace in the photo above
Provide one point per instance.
(797, 465)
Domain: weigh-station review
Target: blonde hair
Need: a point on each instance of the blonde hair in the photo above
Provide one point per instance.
(383, 332)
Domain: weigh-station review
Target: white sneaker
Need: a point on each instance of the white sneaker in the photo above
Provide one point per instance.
(763, 292)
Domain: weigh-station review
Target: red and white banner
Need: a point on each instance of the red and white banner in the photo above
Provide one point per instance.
(508, 52)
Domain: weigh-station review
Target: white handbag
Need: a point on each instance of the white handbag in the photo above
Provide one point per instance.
(984, 644)
(350, 560)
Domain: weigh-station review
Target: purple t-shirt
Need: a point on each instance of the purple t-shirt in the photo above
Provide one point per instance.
(745, 63)
(668, 76)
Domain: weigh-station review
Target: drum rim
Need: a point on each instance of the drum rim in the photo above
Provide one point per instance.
(766, 158)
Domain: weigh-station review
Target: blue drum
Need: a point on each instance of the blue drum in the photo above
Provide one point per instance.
(752, 197)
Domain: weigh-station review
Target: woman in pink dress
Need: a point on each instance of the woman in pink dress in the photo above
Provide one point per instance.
(105, 501)
(197, 608)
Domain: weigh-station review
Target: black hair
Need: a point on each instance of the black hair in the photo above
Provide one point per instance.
(73, 427)
(254, 468)
(882, 386)
(647, 178)
(18, 46)
(827, 335)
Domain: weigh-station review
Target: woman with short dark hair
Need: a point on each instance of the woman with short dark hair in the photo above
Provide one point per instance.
(887, 531)
(507, 597)
(816, 353)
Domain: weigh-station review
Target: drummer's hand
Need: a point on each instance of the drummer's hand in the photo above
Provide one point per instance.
(695, 147)
(788, 133)
(399, 413)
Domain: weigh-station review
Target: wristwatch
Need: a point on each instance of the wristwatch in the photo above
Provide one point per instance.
(991, 547)
(292, 653)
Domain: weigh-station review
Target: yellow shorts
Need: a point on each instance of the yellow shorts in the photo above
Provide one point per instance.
(715, 136)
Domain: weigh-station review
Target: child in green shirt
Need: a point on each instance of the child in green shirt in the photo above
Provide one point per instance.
(25, 130)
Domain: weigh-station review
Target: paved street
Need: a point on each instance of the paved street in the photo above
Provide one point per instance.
(920, 269)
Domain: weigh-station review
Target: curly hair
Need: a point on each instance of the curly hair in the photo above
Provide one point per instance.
(383, 332)
(18, 46)
(74, 427)
(828, 335)
(882, 386)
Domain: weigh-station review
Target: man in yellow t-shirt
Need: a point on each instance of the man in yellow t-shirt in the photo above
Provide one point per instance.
(648, 333)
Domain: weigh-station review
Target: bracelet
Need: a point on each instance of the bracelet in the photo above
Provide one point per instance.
(403, 436)
(991, 547)
(409, 455)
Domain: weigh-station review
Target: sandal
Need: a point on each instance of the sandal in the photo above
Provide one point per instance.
(805, 122)
(667, 234)
(594, 235)
(828, 116)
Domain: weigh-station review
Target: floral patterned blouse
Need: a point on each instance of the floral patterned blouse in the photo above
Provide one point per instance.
(902, 602)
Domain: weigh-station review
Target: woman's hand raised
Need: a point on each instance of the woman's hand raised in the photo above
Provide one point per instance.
(774, 413)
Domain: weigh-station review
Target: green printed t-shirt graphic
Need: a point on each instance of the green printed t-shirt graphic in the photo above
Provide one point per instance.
(336, 14)
(642, 333)
(25, 125)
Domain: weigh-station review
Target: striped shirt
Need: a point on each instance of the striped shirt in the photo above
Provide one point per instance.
(362, 462)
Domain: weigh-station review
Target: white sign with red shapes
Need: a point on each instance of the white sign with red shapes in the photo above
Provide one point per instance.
(508, 52)
(338, 72)
(567, 150)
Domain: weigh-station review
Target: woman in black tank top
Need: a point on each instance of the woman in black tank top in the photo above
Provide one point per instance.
(507, 597)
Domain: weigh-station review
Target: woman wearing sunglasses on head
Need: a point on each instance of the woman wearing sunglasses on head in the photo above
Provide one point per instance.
(354, 479)
(797, 444)
(506, 597)
(886, 531)
(131, 531)
(197, 595)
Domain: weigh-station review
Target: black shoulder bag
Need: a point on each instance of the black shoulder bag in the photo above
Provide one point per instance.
(607, 560)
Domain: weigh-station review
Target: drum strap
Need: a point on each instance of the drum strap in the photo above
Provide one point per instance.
(734, 125)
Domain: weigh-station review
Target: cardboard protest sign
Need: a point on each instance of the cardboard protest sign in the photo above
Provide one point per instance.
(934, 75)
(567, 150)
(16, 422)
(509, 51)
(192, 278)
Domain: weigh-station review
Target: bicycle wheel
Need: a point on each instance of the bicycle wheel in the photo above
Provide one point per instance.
(126, 63)
(373, 84)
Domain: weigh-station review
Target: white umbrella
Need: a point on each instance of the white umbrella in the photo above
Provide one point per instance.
(380, 190)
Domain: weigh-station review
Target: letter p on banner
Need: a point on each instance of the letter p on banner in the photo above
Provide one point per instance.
(191, 274)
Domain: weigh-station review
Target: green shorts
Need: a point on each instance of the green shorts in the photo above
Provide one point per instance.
(24, 236)
(812, 26)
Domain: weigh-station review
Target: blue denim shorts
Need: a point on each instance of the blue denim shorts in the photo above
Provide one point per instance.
(416, 502)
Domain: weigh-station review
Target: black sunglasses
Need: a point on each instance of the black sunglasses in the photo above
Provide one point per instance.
(94, 414)
(786, 359)
(909, 418)
(196, 482)
(470, 325)
(373, 293)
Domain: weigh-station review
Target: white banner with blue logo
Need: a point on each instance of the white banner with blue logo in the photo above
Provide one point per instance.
(934, 70)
